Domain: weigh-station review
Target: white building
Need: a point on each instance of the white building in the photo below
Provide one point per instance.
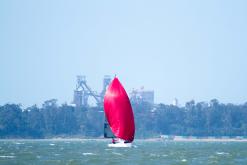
(142, 95)
(175, 102)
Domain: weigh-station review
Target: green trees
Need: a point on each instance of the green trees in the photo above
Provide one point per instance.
(34, 119)
(11, 121)
(194, 119)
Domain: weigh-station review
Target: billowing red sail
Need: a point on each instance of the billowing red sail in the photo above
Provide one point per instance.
(119, 112)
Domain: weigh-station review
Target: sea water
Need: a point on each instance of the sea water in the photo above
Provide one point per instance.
(143, 152)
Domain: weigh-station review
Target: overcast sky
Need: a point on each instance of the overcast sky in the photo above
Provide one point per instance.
(184, 49)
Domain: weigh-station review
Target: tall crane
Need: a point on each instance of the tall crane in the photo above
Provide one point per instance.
(83, 91)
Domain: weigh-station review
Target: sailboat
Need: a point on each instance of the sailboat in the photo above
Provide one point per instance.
(119, 117)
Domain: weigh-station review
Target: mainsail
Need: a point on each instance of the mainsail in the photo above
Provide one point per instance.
(118, 111)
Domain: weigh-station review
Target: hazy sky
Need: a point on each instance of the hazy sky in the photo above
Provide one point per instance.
(183, 49)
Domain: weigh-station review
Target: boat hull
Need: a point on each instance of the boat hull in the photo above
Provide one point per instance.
(120, 145)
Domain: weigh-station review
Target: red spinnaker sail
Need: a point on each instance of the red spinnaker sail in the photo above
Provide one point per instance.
(119, 112)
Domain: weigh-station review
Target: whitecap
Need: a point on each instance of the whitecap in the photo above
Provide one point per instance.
(88, 153)
(152, 154)
(107, 149)
(222, 153)
(51, 144)
(5, 156)
(184, 160)
(116, 153)
(155, 155)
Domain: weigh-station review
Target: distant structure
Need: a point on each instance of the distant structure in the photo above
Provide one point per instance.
(106, 82)
(83, 92)
(175, 102)
(141, 95)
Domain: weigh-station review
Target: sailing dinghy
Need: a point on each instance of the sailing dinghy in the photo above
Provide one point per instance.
(119, 125)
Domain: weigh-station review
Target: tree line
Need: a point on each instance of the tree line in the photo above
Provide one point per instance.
(193, 119)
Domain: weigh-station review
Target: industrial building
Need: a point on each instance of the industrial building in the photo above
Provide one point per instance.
(141, 95)
(83, 92)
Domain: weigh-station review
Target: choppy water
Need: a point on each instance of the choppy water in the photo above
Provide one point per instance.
(75, 152)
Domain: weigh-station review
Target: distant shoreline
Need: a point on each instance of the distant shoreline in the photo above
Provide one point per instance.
(197, 140)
